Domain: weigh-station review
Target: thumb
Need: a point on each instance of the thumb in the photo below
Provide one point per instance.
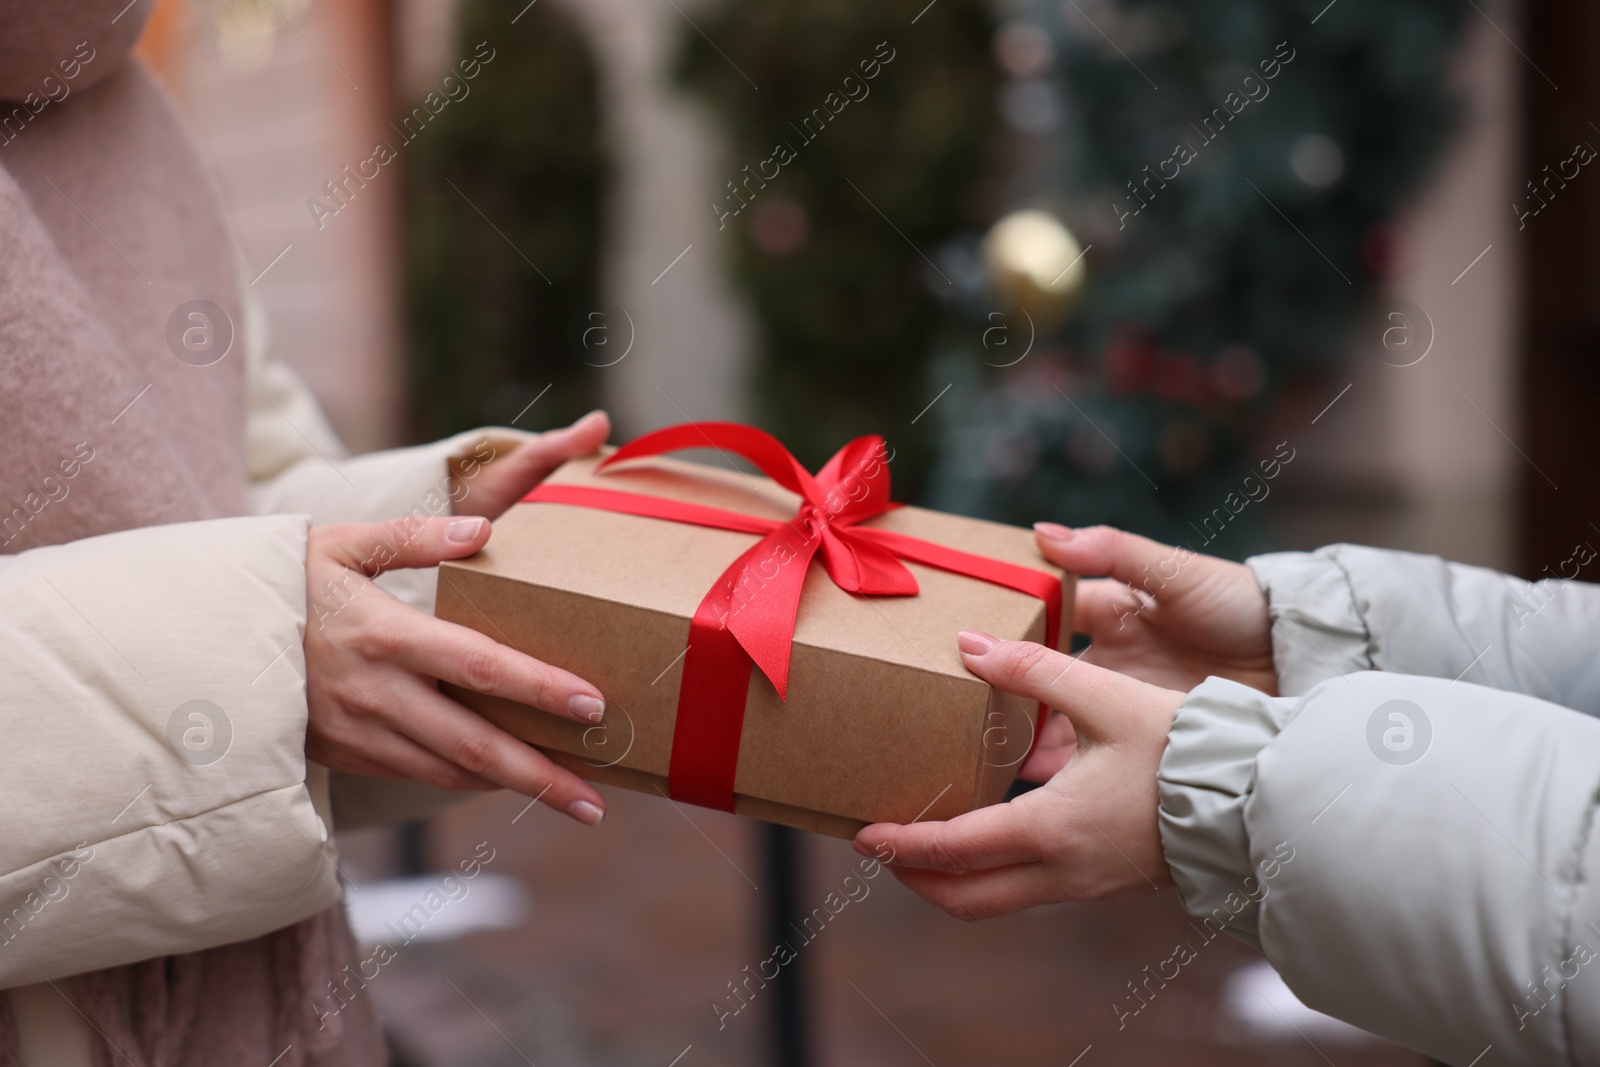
(535, 459)
(504, 480)
(1101, 705)
(409, 541)
(1104, 551)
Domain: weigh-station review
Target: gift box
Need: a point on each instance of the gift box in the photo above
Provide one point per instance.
(783, 647)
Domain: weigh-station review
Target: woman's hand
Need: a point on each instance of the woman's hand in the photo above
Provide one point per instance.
(506, 479)
(373, 663)
(1167, 616)
(1089, 833)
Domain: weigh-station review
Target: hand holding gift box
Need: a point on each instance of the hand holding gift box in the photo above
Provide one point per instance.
(665, 582)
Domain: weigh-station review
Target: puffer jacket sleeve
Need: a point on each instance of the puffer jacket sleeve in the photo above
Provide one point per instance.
(158, 799)
(1348, 608)
(298, 465)
(1416, 856)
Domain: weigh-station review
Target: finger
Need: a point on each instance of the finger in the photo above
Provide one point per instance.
(1095, 699)
(478, 746)
(534, 460)
(465, 657)
(506, 478)
(408, 541)
(1104, 551)
(386, 754)
(1103, 605)
(351, 764)
(1044, 764)
(995, 836)
(1057, 742)
(983, 894)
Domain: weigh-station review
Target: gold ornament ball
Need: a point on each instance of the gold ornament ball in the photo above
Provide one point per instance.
(1035, 265)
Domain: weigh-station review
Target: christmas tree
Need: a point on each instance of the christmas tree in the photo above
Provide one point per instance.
(1233, 169)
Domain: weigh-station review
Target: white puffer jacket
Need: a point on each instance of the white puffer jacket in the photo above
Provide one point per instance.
(1433, 771)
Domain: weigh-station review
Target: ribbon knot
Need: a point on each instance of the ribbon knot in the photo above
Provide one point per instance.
(763, 585)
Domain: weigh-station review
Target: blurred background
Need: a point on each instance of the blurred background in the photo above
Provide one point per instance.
(1244, 274)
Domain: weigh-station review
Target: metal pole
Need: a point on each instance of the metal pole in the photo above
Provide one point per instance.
(411, 848)
(789, 1021)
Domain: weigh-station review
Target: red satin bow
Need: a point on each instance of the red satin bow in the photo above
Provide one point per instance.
(749, 614)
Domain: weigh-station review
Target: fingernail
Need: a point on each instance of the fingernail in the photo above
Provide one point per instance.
(586, 813)
(588, 708)
(861, 848)
(462, 530)
(1054, 531)
(975, 642)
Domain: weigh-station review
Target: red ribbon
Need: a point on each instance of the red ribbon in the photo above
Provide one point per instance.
(748, 617)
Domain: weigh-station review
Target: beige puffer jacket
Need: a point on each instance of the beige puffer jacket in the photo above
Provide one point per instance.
(114, 850)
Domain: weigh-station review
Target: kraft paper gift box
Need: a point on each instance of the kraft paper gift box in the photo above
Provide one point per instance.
(881, 720)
